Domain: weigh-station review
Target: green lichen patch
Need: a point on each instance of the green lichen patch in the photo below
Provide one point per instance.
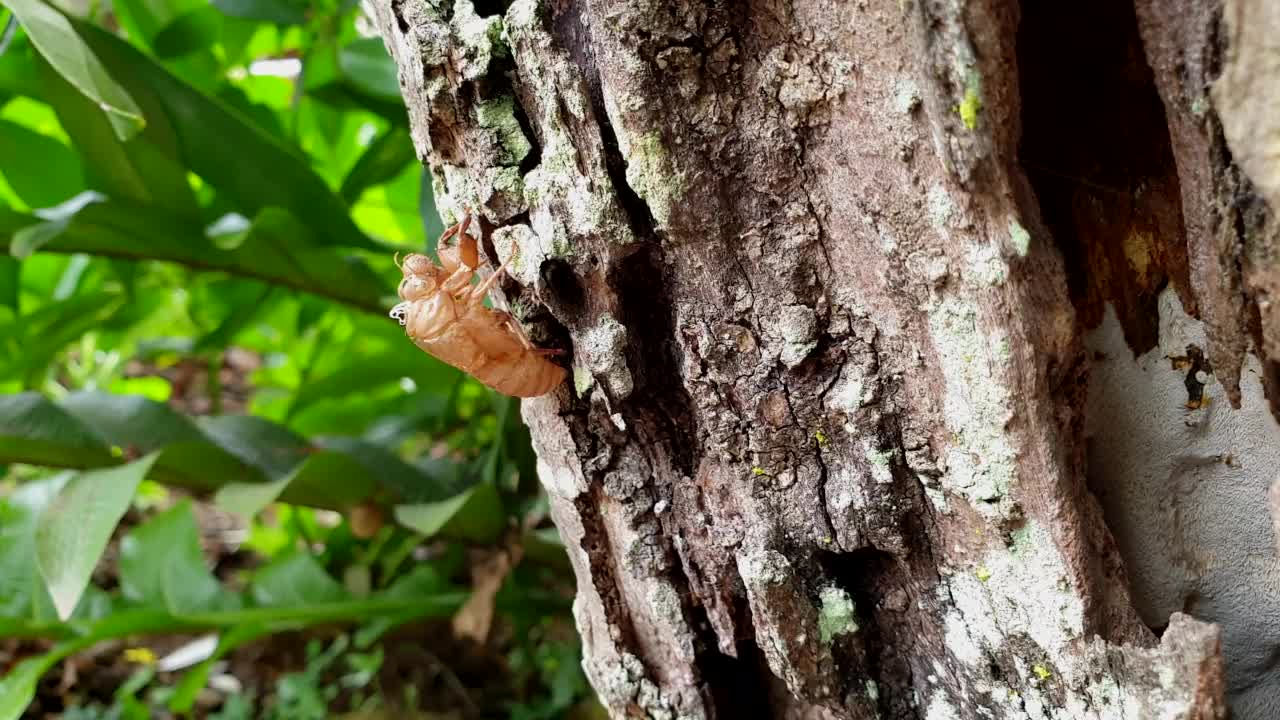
(498, 116)
(880, 462)
(836, 614)
(582, 380)
(1019, 238)
(651, 174)
(971, 103)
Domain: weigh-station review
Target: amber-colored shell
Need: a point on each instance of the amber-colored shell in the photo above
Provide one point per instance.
(444, 314)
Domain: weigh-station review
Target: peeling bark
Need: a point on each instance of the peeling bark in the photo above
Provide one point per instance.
(823, 270)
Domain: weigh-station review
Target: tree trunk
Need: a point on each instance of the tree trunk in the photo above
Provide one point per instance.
(847, 287)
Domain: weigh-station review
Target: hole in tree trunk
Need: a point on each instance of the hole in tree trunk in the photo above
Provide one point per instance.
(1096, 149)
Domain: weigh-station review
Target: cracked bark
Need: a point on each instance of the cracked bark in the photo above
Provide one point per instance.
(822, 270)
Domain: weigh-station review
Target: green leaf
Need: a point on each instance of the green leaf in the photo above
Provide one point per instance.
(258, 174)
(57, 40)
(90, 429)
(474, 515)
(275, 248)
(146, 168)
(75, 528)
(161, 564)
(293, 580)
(18, 686)
(190, 32)
(30, 238)
(405, 480)
(367, 66)
(248, 499)
(21, 591)
(34, 430)
(384, 159)
(280, 12)
(41, 170)
(376, 370)
(10, 279)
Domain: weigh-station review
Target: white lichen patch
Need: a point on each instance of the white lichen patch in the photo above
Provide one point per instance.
(836, 614)
(602, 352)
(879, 461)
(940, 708)
(906, 96)
(985, 265)
(1027, 592)
(625, 683)
(763, 567)
(940, 206)
(852, 391)
(798, 327)
(960, 643)
(479, 40)
(981, 460)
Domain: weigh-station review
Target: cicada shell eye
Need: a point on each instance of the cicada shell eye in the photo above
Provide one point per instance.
(414, 287)
(399, 313)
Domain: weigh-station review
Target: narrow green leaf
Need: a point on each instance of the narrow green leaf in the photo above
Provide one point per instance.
(474, 515)
(57, 40)
(147, 168)
(75, 528)
(18, 686)
(30, 238)
(47, 331)
(34, 430)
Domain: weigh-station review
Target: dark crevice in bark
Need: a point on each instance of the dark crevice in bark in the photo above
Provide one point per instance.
(534, 158)
(659, 398)
(574, 35)
(397, 10)
(1095, 145)
(877, 581)
(599, 549)
(489, 8)
(732, 685)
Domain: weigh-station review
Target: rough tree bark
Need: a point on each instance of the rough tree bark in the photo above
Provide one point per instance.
(825, 271)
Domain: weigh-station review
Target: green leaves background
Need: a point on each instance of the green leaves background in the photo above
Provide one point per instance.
(184, 185)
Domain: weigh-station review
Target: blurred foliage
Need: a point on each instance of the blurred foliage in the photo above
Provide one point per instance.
(201, 202)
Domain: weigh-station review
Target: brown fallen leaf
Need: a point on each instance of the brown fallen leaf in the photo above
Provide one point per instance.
(474, 619)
